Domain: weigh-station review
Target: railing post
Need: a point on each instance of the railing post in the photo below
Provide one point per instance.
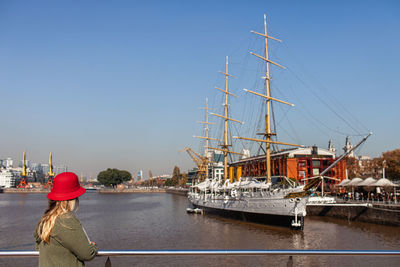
(108, 262)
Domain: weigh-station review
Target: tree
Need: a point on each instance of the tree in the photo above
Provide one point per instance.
(168, 182)
(176, 176)
(113, 177)
(183, 180)
(391, 162)
(353, 167)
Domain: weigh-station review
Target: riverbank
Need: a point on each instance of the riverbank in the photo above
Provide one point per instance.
(130, 190)
(177, 191)
(385, 214)
(25, 191)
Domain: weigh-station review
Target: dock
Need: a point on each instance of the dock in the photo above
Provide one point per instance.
(377, 213)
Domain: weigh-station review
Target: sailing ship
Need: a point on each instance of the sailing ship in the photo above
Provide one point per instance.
(261, 198)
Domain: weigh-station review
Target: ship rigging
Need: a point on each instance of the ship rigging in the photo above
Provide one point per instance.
(258, 188)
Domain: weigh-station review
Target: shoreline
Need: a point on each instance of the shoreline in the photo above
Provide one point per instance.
(130, 190)
(176, 191)
(24, 191)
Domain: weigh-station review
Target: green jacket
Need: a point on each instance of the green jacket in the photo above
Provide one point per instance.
(68, 246)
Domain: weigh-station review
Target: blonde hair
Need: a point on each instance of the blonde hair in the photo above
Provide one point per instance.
(55, 209)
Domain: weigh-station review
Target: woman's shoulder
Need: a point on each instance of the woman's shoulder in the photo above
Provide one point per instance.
(68, 220)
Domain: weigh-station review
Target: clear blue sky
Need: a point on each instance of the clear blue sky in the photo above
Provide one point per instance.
(119, 83)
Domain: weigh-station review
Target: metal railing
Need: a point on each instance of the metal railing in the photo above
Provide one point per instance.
(108, 253)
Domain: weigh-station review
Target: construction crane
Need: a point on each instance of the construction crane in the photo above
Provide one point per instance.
(201, 162)
(23, 183)
(51, 173)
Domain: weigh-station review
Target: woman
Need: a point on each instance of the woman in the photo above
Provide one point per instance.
(60, 237)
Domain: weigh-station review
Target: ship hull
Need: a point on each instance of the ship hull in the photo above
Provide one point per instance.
(280, 212)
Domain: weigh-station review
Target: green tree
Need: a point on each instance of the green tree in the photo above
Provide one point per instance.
(113, 177)
(168, 182)
(176, 176)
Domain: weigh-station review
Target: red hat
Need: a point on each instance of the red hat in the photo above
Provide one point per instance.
(65, 187)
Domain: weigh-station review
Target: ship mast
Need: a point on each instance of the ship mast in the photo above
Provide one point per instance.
(206, 137)
(268, 133)
(225, 146)
(207, 129)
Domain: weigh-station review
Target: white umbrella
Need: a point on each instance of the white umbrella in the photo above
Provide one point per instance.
(354, 182)
(368, 185)
(384, 182)
(367, 182)
(344, 182)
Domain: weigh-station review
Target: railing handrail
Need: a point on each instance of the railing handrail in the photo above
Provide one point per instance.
(306, 252)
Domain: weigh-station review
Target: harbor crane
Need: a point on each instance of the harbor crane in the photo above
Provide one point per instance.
(23, 183)
(51, 173)
(201, 162)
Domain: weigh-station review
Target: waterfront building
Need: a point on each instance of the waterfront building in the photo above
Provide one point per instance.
(140, 175)
(45, 168)
(192, 175)
(6, 163)
(216, 169)
(296, 163)
(7, 178)
(60, 168)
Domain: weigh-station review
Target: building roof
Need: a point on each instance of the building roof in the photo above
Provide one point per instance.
(307, 151)
(295, 152)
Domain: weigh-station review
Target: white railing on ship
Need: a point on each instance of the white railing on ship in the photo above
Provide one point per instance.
(109, 253)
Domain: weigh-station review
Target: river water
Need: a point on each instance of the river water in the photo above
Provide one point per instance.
(160, 221)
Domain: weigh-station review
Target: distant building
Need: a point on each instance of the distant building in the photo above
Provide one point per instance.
(192, 175)
(218, 156)
(140, 175)
(27, 163)
(45, 168)
(348, 146)
(331, 148)
(60, 169)
(6, 163)
(217, 167)
(7, 178)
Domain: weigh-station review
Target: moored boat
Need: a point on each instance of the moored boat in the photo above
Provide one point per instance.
(258, 196)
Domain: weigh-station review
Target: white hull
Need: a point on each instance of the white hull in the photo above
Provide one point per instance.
(255, 205)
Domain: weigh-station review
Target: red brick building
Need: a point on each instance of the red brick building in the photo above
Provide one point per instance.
(298, 163)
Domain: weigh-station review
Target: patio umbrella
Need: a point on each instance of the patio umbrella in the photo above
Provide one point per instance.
(384, 183)
(353, 183)
(344, 182)
(368, 184)
(388, 185)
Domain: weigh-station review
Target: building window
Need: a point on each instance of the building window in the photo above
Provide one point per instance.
(316, 163)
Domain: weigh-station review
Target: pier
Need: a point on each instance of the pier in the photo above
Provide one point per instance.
(377, 213)
(130, 190)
